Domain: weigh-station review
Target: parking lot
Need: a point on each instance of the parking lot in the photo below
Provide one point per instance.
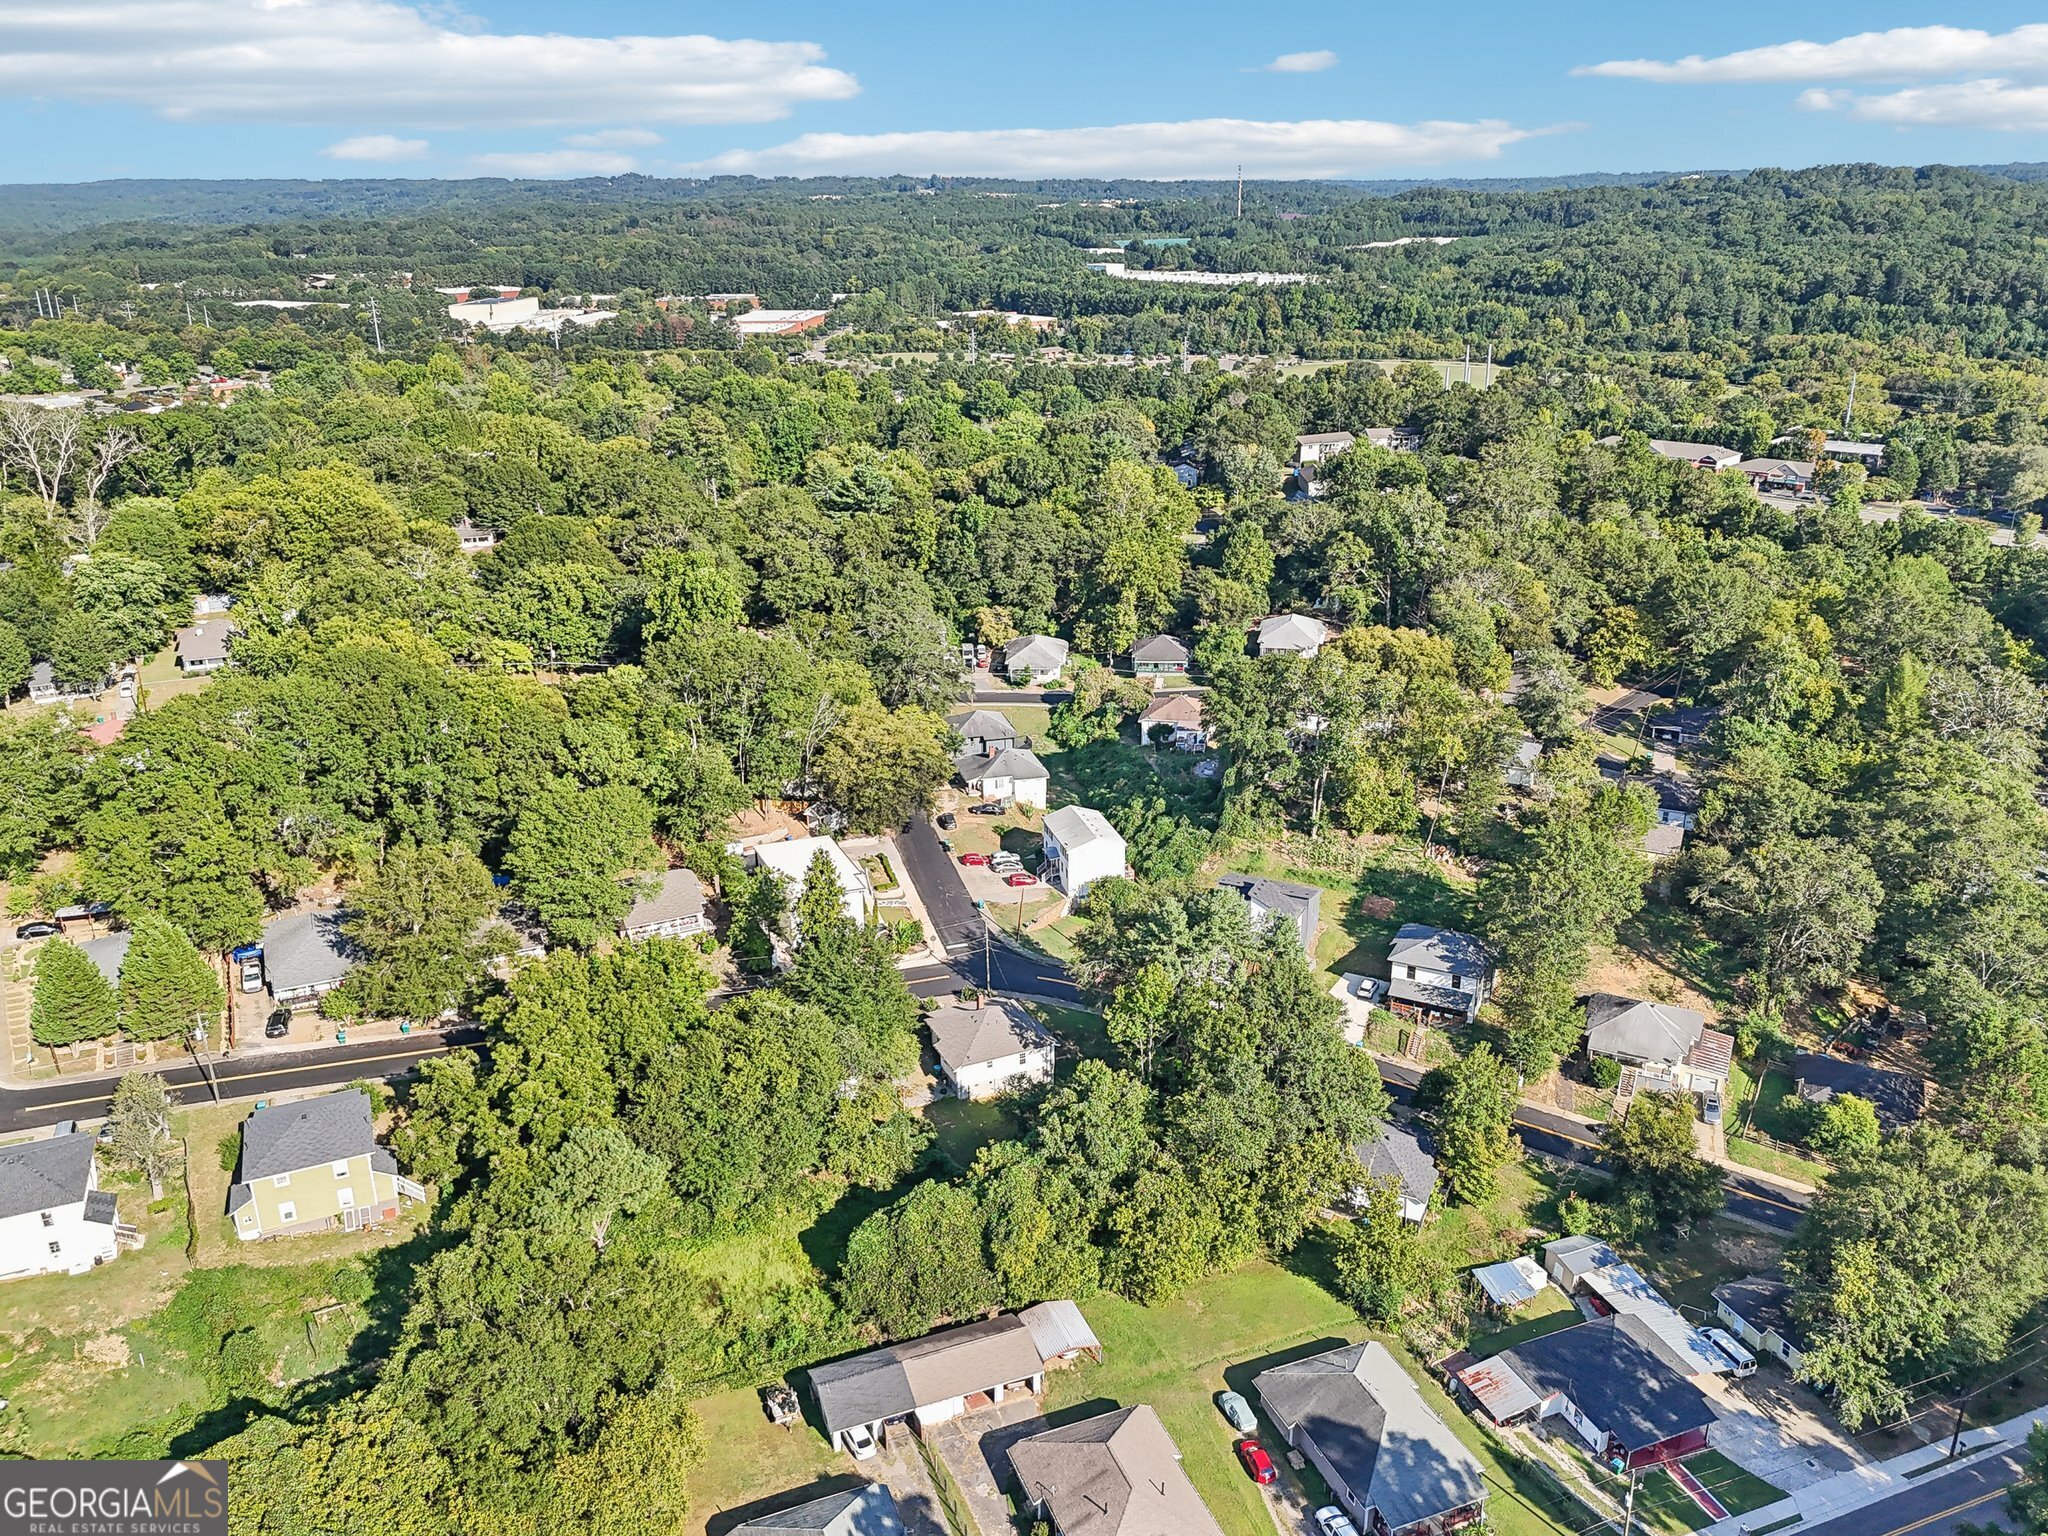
(1777, 1429)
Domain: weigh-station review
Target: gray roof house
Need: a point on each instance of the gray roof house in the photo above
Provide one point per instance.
(990, 1048)
(54, 1217)
(305, 956)
(983, 731)
(42, 1175)
(315, 1165)
(1436, 975)
(869, 1511)
(1684, 725)
(1758, 1311)
(1275, 903)
(1569, 1260)
(1392, 1463)
(1040, 657)
(927, 1380)
(1157, 654)
(279, 1138)
(203, 647)
(1116, 1474)
(1900, 1097)
(108, 952)
(1673, 1042)
(1295, 634)
(674, 909)
(1404, 1155)
(1010, 773)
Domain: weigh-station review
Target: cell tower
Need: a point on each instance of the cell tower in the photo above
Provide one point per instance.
(1240, 191)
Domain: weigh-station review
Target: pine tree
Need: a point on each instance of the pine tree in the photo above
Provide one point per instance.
(73, 1001)
(166, 985)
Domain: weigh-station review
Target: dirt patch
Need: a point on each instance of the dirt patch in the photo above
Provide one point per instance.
(108, 1349)
(1627, 974)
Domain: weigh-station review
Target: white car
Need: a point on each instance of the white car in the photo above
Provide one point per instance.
(861, 1443)
(252, 975)
(1332, 1521)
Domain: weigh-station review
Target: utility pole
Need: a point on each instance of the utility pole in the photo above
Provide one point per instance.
(1849, 410)
(1489, 365)
(198, 1043)
(1468, 362)
(1628, 1509)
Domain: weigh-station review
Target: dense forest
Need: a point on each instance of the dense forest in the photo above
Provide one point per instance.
(732, 572)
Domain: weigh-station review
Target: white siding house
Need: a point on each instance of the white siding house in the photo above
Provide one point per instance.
(53, 1218)
(1081, 847)
(991, 1049)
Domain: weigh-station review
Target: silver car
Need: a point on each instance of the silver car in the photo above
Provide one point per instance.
(1332, 1521)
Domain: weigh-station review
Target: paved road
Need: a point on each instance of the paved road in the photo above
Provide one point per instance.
(1561, 1136)
(240, 1077)
(972, 957)
(1937, 1504)
(1020, 696)
(955, 918)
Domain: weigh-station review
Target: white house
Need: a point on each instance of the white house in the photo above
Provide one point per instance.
(791, 859)
(1292, 634)
(989, 1049)
(1670, 1047)
(203, 647)
(1040, 658)
(674, 909)
(1315, 447)
(54, 1220)
(1081, 847)
(1014, 774)
(1181, 710)
(1436, 976)
(925, 1381)
(1399, 1154)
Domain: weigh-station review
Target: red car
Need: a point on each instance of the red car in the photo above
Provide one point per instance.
(1020, 877)
(1257, 1462)
(974, 858)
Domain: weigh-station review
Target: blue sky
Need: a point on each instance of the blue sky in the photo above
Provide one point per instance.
(100, 88)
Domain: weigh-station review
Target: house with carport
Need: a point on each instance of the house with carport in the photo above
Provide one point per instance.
(1391, 1463)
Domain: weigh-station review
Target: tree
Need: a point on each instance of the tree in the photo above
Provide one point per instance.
(596, 1176)
(879, 766)
(1472, 1111)
(1845, 1127)
(568, 851)
(15, 661)
(2027, 1503)
(1804, 908)
(140, 1119)
(167, 988)
(919, 1262)
(73, 1001)
(1376, 1257)
(43, 444)
(1655, 1161)
(81, 655)
(421, 922)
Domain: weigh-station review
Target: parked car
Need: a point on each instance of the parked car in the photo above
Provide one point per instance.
(1020, 877)
(861, 1443)
(1332, 1521)
(1732, 1350)
(278, 1025)
(1003, 860)
(1237, 1411)
(986, 808)
(948, 821)
(252, 975)
(975, 859)
(1257, 1464)
(1710, 1107)
(36, 930)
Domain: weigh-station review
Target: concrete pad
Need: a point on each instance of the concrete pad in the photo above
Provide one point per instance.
(1776, 1429)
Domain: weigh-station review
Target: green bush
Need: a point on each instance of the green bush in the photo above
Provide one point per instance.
(1606, 1072)
(231, 1150)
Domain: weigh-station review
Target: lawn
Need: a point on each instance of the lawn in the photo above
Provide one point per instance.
(749, 1461)
(1664, 1507)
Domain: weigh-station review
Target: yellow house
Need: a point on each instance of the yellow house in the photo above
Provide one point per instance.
(315, 1166)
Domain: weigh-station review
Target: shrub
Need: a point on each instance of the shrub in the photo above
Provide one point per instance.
(1606, 1072)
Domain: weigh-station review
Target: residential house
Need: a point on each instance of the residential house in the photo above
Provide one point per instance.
(1606, 1379)
(1622, 1290)
(1521, 769)
(1404, 1156)
(1013, 774)
(1292, 634)
(1035, 659)
(1677, 796)
(1160, 656)
(1189, 475)
(792, 859)
(983, 731)
(778, 322)
(1391, 1462)
(1184, 712)
(926, 1381)
(1686, 727)
(674, 909)
(1081, 847)
(1115, 1474)
(1787, 476)
(315, 1166)
(54, 1218)
(1708, 456)
(305, 956)
(1511, 1283)
(1569, 1260)
(1900, 1097)
(1758, 1311)
(865, 1511)
(1279, 904)
(203, 647)
(990, 1048)
(1321, 447)
(43, 687)
(1394, 439)
(1436, 976)
(1671, 1047)
(474, 538)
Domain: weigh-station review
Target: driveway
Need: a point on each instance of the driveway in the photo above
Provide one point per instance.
(955, 922)
(1777, 1429)
(899, 1465)
(976, 1450)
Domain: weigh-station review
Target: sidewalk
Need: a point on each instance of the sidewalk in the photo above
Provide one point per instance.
(1875, 1482)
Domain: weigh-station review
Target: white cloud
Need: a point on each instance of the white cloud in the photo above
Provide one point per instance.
(1903, 53)
(555, 162)
(344, 61)
(1314, 62)
(614, 138)
(376, 146)
(1208, 147)
(1993, 104)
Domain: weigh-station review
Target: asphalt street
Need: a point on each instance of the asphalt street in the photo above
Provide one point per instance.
(1937, 1504)
(240, 1077)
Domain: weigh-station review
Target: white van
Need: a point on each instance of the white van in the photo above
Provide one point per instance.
(1730, 1348)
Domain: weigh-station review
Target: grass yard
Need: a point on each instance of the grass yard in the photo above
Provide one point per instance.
(1549, 1312)
(1664, 1507)
(749, 1461)
(160, 680)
